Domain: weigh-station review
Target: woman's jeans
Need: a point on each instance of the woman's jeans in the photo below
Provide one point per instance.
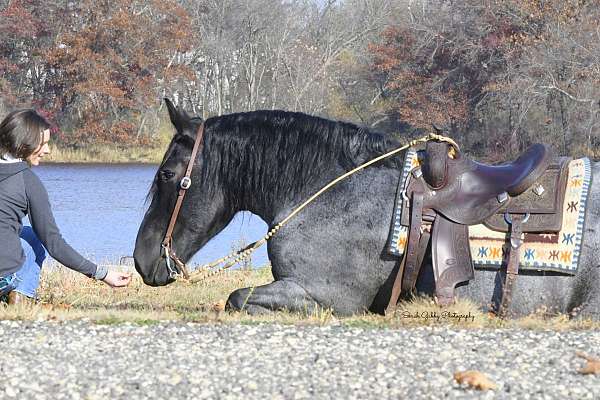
(27, 279)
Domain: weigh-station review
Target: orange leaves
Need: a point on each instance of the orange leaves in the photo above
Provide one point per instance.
(396, 47)
(109, 63)
(101, 62)
(475, 380)
(218, 306)
(466, 67)
(479, 381)
(418, 76)
(399, 45)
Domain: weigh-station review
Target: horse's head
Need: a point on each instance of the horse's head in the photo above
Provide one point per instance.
(203, 212)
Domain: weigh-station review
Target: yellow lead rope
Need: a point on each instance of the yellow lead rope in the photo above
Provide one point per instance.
(201, 273)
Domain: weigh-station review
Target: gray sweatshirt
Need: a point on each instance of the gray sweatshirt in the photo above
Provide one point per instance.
(22, 193)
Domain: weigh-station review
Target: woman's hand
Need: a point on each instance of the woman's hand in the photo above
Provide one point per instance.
(117, 279)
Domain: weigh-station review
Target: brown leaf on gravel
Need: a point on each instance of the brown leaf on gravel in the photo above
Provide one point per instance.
(474, 379)
(592, 366)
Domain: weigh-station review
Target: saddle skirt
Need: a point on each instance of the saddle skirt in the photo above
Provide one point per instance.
(555, 249)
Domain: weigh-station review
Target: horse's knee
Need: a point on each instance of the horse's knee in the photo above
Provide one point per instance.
(237, 300)
(240, 300)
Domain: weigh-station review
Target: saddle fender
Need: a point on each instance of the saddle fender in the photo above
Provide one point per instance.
(451, 257)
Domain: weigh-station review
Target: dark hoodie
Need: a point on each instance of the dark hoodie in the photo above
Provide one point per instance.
(22, 193)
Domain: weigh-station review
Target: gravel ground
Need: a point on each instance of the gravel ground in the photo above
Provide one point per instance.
(80, 360)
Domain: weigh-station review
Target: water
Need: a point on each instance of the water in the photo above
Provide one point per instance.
(99, 208)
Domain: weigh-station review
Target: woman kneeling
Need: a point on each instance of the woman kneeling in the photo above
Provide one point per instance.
(24, 137)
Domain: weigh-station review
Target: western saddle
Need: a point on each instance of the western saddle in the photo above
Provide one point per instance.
(449, 192)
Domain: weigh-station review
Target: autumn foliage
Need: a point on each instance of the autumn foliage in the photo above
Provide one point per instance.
(416, 83)
(19, 29)
(99, 66)
(497, 75)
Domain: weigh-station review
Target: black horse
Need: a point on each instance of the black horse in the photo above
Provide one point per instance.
(332, 254)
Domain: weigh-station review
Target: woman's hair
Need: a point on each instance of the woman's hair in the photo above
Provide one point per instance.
(20, 133)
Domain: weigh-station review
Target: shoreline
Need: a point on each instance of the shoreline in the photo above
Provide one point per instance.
(106, 154)
(99, 162)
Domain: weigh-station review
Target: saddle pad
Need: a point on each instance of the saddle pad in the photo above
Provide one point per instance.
(540, 252)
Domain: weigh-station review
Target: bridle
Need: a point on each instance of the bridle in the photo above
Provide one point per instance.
(186, 182)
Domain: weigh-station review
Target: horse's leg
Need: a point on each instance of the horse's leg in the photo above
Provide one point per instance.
(278, 295)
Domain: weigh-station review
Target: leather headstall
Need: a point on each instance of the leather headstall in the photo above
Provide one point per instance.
(184, 185)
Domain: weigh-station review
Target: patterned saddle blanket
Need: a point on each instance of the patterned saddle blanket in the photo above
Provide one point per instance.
(557, 252)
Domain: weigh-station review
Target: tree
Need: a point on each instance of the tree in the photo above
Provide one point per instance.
(19, 30)
(108, 67)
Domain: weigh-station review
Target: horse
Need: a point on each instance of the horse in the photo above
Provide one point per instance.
(332, 255)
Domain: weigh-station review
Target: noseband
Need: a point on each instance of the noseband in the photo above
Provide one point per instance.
(186, 182)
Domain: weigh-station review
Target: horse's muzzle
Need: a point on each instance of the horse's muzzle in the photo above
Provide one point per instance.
(157, 276)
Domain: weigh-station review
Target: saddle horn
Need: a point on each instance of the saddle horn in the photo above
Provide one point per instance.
(437, 129)
(434, 166)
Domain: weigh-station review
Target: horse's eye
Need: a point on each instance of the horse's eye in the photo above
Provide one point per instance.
(165, 174)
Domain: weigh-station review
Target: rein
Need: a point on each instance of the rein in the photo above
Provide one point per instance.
(208, 270)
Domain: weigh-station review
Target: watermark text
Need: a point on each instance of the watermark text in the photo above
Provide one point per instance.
(438, 315)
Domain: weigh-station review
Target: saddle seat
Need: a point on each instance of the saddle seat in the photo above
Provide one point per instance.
(517, 176)
(472, 191)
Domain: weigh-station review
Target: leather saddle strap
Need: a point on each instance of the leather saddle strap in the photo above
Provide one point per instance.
(396, 289)
(423, 242)
(413, 238)
(512, 268)
(411, 269)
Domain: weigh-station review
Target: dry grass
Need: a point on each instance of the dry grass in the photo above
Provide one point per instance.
(65, 295)
(106, 154)
(113, 153)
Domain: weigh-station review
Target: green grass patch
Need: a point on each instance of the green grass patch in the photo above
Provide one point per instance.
(112, 320)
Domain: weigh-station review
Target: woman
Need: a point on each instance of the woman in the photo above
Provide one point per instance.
(24, 137)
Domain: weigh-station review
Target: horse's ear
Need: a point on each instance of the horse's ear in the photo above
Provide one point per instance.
(183, 113)
(178, 118)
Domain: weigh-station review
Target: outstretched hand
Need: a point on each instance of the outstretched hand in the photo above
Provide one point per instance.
(117, 279)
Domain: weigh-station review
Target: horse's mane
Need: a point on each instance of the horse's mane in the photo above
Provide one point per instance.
(266, 153)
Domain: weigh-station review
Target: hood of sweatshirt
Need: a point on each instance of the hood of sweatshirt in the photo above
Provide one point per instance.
(8, 170)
